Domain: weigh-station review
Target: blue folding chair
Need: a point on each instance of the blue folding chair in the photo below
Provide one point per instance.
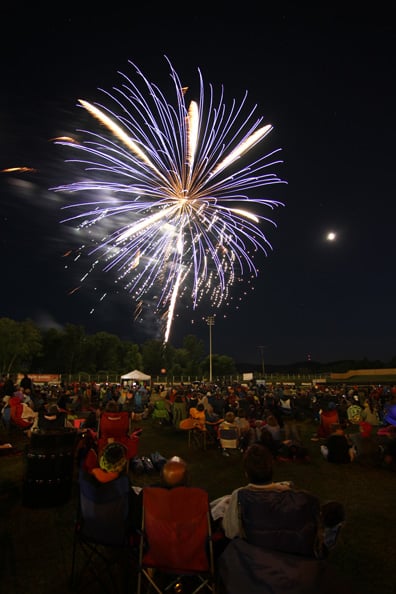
(102, 541)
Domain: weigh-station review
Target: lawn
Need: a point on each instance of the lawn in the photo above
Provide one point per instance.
(366, 548)
(36, 543)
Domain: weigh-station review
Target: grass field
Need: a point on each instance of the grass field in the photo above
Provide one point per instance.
(36, 543)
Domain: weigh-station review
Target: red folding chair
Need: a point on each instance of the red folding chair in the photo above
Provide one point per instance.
(327, 419)
(176, 542)
(116, 426)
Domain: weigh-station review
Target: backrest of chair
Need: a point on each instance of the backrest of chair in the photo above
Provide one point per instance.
(104, 509)
(53, 441)
(49, 468)
(16, 410)
(327, 419)
(114, 424)
(287, 521)
(46, 421)
(228, 435)
(177, 529)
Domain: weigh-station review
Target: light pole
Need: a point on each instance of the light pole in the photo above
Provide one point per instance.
(210, 323)
(262, 347)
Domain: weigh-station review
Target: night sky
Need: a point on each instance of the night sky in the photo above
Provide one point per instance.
(326, 82)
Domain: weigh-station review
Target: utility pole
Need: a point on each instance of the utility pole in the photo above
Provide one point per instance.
(262, 347)
(210, 323)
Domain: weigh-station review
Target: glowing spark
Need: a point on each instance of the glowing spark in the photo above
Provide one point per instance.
(168, 193)
(19, 170)
(63, 139)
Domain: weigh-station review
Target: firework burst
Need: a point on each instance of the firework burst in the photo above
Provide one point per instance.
(172, 193)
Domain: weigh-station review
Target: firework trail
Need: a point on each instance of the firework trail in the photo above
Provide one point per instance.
(168, 190)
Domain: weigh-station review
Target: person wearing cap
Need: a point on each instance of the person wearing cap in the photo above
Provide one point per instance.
(111, 464)
(354, 411)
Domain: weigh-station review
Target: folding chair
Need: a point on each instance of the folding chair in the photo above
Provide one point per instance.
(176, 541)
(228, 437)
(201, 435)
(102, 542)
(49, 468)
(116, 426)
(160, 413)
(281, 550)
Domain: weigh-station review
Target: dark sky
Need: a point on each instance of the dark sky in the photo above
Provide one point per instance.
(325, 81)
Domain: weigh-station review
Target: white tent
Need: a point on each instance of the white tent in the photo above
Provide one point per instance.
(136, 375)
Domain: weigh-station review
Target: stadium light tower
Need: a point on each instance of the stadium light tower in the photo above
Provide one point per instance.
(262, 347)
(210, 323)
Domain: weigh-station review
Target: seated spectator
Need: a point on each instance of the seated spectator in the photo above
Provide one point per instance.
(366, 448)
(389, 450)
(338, 447)
(112, 406)
(266, 439)
(50, 418)
(354, 411)
(390, 415)
(179, 408)
(198, 414)
(6, 411)
(228, 433)
(161, 412)
(387, 441)
(128, 403)
(174, 473)
(110, 465)
(258, 463)
(243, 427)
(332, 519)
(369, 414)
(327, 417)
(21, 414)
(212, 422)
(292, 430)
(272, 425)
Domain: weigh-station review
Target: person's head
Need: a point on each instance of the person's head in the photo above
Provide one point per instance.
(200, 407)
(272, 420)
(52, 409)
(113, 458)
(333, 512)
(229, 417)
(241, 413)
(111, 406)
(258, 464)
(174, 472)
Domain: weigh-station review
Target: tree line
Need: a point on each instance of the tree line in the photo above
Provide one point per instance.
(24, 347)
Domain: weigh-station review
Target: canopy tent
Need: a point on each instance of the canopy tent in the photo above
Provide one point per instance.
(136, 375)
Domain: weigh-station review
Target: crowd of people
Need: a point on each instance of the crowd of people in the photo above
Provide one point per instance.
(354, 425)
